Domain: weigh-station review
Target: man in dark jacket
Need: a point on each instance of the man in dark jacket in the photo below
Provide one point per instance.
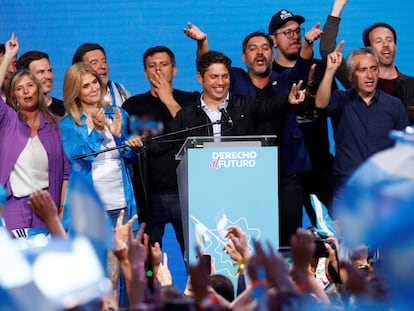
(213, 73)
(285, 28)
(261, 82)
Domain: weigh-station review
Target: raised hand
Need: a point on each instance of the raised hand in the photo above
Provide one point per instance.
(199, 279)
(122, 229)
(234, 254)
(116, 124)
(12, 46)
(162, 87)
(164, 274)
(136, 256)
(334, 59)
(337, 7)
(194, 32)
(98, 119)
(311, 74)
(314, 33)
(238, 244)
(42, 204)
(296, 95)
(303, 249)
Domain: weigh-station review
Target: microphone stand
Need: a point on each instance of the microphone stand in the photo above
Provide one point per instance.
(85, 155)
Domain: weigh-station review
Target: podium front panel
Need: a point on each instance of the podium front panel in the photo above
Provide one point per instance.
(223, 187)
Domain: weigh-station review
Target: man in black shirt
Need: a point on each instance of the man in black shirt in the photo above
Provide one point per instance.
(39, 64)
(155, 179)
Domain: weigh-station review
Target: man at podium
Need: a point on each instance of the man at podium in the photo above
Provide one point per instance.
(217, 112)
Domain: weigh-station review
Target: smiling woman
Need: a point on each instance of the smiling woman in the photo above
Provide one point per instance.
(91, 125)
(34, 158)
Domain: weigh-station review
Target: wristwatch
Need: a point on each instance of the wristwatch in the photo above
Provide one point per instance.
(310, 42)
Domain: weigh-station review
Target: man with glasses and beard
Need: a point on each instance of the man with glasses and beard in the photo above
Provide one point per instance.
(285, 29)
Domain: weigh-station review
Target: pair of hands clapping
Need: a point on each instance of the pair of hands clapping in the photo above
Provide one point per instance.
(100, 122)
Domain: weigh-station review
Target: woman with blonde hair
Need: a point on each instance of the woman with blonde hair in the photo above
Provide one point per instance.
(31, 153)
(90, 126)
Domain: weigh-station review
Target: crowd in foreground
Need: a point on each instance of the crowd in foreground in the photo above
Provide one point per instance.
(321, 273)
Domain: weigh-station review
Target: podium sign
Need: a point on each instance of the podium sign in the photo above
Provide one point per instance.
(227, 183)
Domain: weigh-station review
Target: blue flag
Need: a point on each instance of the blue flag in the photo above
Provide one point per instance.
(88, 216)
(378, 210)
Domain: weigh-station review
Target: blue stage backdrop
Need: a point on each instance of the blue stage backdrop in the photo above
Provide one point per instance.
(127, 28)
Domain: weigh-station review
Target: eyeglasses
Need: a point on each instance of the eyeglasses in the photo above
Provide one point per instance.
(289, 33)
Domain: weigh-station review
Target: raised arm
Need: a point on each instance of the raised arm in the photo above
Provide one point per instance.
(11, 46)
(310, 37)
(328, 40)
(303, 66)
(333, 62)
(303, 249)
(337, 7)
(136, 257)
(195, 33)
(42, 205)
(296, 95)
(330, 29)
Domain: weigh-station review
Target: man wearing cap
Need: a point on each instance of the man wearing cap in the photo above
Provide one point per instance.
(285, 28)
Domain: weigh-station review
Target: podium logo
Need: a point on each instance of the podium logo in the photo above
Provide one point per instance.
(235, 159)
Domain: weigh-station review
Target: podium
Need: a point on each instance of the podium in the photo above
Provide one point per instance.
(227, 181)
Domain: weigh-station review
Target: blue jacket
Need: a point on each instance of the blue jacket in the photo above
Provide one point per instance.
(293, 152)
(77, 141)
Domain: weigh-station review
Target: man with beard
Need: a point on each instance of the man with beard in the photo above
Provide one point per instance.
(383, 38)
(285, 28)
(39, 64)
(261, 82)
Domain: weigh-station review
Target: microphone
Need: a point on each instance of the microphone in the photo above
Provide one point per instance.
(224, 113)
(147, 140)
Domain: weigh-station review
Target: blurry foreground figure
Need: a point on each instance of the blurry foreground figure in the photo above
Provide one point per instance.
(378, 211)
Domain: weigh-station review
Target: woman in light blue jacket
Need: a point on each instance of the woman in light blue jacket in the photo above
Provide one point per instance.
(91, 126)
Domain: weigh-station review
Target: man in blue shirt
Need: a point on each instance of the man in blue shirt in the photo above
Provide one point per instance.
(362, 116)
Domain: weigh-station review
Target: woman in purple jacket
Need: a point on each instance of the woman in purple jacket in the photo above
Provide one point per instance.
(31, 153)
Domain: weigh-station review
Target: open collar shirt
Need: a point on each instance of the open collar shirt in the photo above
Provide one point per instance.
(360, 130)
